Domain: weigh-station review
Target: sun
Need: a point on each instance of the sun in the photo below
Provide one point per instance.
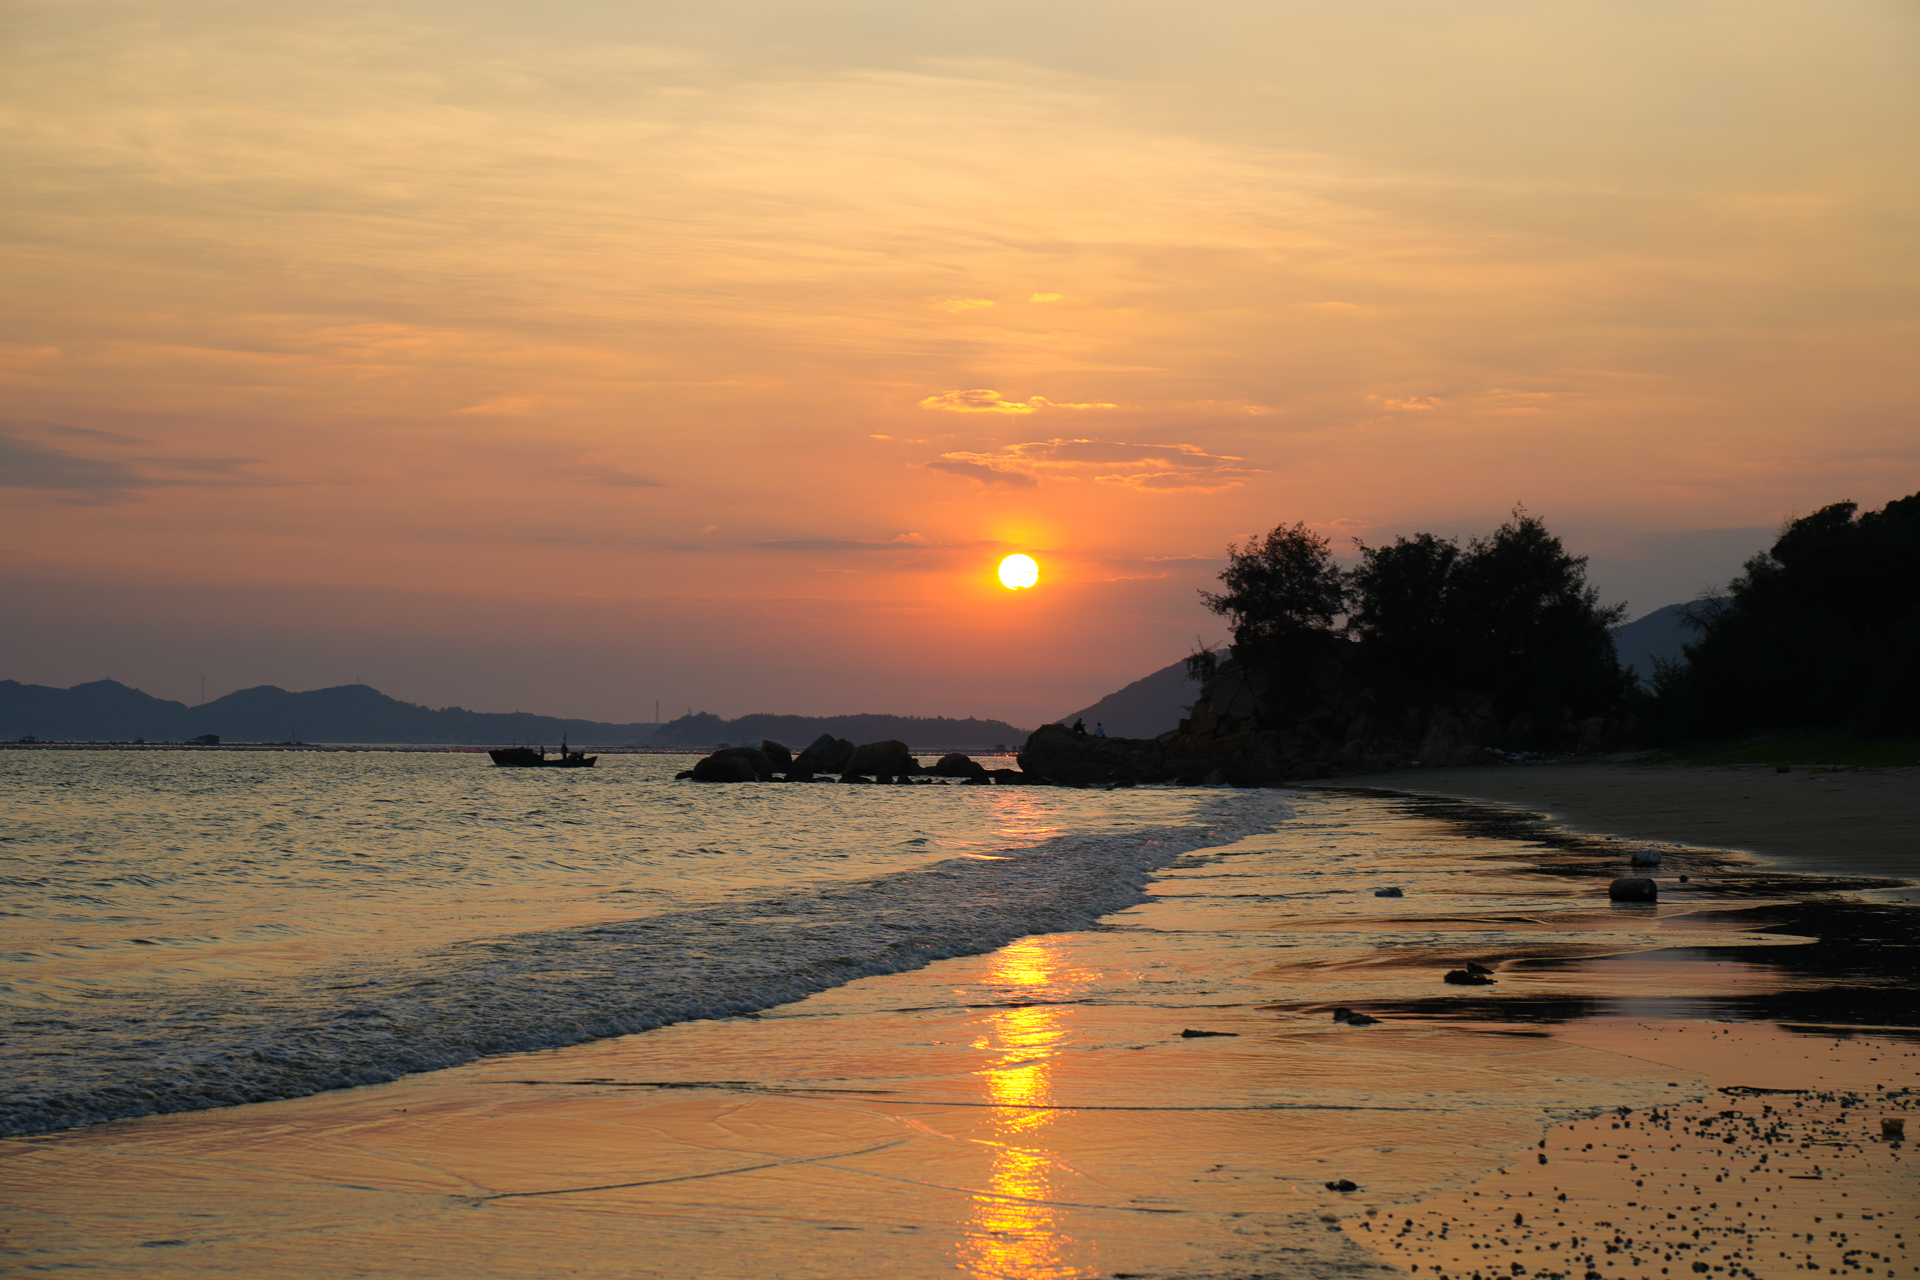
(1017, 573)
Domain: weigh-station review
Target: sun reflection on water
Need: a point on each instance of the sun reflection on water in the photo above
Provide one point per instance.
(1013, 1228)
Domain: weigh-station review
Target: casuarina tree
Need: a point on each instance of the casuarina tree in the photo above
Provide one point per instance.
(1509, 617)
(1283, 593)
(1823, 630)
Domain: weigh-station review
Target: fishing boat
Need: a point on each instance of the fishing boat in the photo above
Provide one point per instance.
(528, 758)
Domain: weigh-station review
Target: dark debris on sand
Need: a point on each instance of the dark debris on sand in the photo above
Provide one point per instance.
(1753, 1183)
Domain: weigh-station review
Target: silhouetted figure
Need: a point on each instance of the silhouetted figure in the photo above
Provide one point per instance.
(1099, 730)
(1080, 726)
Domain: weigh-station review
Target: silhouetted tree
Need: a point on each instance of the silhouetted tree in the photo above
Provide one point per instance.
(1823, 630)
(1528, 628)
(1282, 593)
(1511, 617)
(1402, 597)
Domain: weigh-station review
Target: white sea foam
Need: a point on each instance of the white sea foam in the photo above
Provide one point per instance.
(752, 897)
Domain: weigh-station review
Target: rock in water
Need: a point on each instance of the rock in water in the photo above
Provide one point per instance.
(826, 754)
(1353, 1019)
(1388, 893)
(1191, 1034)
(777, 754)
(1633, 889)
(1646, 858)
(1473, 966)
(955, 765)
(1466, 978)
(753, 757)
(723, 769)
(890, 758)
(1344, 1184)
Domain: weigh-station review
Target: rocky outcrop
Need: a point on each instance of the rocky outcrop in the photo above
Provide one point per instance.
(888, 759)
(1081, 759)
(955, 765)
(777, 755)
(1256, 725)
(723, 768)
(825, 754)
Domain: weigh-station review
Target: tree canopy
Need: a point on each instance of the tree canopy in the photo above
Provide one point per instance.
(1822, 630)
(1282, 590)
(1510, 616)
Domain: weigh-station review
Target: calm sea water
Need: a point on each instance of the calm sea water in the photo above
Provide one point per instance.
(182, 930)
(188, 930)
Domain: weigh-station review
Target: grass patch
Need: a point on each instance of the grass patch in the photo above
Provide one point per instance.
(1809, 747)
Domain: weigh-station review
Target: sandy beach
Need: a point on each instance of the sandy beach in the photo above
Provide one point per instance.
(1042, 1111)
(1860, 822)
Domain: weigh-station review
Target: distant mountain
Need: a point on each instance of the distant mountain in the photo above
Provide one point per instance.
(107, 711)
(1146, 708)
(1658, 635)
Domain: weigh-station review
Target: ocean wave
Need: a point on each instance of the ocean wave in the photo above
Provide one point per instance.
(222, 1045)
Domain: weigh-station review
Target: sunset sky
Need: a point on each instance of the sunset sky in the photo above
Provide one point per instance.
(570, 356)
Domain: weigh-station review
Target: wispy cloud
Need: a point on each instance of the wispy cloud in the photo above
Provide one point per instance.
(100, 470)
(598, 468)
(899, 542)
(1149, 468)
(955, 466)
(983, 400)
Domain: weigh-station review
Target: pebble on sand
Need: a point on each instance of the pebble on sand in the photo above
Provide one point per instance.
(1633, 889)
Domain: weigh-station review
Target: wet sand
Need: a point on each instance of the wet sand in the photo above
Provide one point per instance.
(1040, 1113)
(1786, 1167)
(1860, 822)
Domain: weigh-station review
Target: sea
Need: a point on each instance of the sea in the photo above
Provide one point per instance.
(314, 1013)
(182, 930)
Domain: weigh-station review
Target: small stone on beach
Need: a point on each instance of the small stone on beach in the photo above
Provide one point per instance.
(1388, 893)
(1191, 1034)
(1466, 978)
(1633, 889)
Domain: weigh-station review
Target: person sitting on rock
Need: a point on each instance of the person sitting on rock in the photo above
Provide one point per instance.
(1099, 730)
(1080, 727)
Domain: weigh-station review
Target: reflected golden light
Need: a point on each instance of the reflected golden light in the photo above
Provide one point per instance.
(1013, 1230)
(1018, 572)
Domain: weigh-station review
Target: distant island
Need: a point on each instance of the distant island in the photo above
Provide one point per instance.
(108, 711)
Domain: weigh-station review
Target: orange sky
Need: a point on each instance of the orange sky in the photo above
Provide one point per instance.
(572, 356)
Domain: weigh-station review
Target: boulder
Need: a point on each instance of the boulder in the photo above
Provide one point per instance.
(890, 757)
(826, 754)
(955, 765)
(1633, 889)
(754, 757)
(720, 768)
(778, 755)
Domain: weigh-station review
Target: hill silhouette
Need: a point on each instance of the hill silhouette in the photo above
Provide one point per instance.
(1146, 708)
(108, 711)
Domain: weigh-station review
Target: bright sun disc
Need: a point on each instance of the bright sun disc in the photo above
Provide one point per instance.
(1019, 572)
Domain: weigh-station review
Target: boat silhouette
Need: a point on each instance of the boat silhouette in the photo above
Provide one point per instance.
(528, 758)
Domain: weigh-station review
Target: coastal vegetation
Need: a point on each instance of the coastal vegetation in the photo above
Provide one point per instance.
(1505, 628)
(1820, 632)
(1430, 650)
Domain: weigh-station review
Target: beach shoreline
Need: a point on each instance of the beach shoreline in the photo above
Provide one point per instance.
(1840, 821)
(1011, 1115)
